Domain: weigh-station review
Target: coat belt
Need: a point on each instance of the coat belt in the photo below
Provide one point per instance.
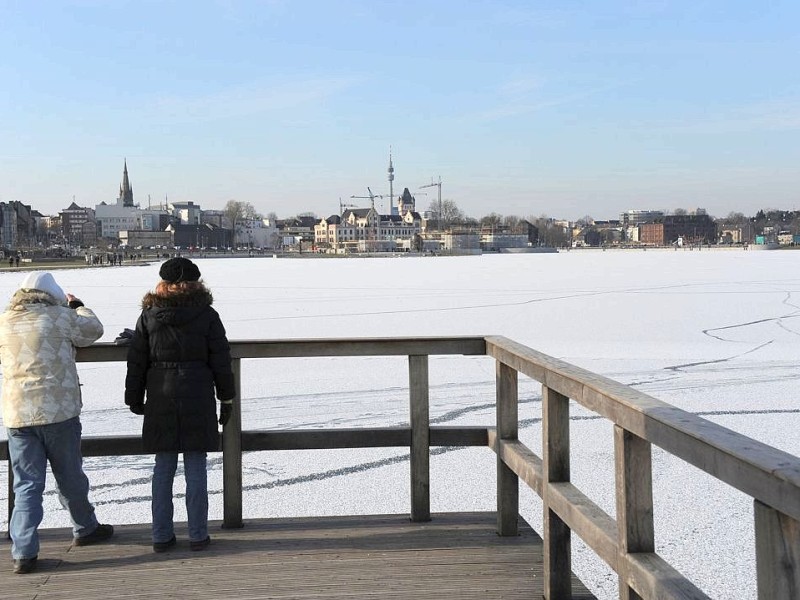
(177, 364)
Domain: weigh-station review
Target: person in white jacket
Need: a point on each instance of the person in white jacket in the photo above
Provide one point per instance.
(41, 398)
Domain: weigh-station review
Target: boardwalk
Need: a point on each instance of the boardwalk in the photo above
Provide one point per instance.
(454, 556)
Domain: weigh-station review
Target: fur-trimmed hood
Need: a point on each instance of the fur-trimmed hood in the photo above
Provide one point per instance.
(23, 297)
(191, 298)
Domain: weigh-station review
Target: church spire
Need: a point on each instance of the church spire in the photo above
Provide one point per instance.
(125, 190)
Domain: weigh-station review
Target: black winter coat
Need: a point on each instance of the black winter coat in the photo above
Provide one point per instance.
(178, 356)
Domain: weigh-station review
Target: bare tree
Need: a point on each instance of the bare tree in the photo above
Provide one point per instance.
(735, 218)
(491, 220)
(236, 211)
(450, 213)
(550, 234)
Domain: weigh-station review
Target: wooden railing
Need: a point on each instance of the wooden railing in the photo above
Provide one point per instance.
(626, 544)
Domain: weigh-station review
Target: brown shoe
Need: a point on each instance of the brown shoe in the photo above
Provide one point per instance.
(201, 545)
(24, 565)
(101, 534)
(164, 546)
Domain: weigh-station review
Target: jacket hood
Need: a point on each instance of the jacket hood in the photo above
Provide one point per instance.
(27, 296)
(178, 307)
(178, 299)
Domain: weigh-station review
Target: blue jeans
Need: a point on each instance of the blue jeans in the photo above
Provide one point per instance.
(194, 470)
(30, 448)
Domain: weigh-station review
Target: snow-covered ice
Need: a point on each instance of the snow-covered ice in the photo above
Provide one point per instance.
(713, 332)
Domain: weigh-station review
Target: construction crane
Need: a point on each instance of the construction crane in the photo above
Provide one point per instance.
(439, 185)
(371, 197)
(343, 205)
(376, 234)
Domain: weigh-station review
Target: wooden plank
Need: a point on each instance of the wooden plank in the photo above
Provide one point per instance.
(755, 468)
(374, 437)
(653, 577)
(777, 554)
(634, 494)
(232, 457)
(463, 345)
(453, 557)
(419, 460)
(555, 469)
(520, 459)
(590, 522)
(507, 415)
(300, 439)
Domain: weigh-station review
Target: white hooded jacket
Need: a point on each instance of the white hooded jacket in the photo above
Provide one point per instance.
(38, 337)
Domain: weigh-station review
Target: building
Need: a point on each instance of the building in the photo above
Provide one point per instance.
(297, 231)
(498, 237)
(256, 233)
(634, 217)
(214, 217)
(698, 228)
(120, 216)
(113, 218)
(8, 225)
(137, 239)
(365, 230)
(18, 225)
(188, 213)
(461, 242)
(199, 236)
(78, 226)
(404, 204)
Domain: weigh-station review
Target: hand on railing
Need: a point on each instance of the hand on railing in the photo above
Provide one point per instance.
(225, 412)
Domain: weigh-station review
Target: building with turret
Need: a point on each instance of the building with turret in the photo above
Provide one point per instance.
(113, 218)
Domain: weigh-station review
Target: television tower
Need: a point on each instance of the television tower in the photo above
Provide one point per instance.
(391, 181)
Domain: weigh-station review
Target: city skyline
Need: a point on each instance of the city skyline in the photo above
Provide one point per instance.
(521, 108)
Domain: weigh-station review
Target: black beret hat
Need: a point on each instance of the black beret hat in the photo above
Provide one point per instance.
(179, 269)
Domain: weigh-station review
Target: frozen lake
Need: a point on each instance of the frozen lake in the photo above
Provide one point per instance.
(713, 332)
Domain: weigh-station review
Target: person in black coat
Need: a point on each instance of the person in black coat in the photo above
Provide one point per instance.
(179, 359)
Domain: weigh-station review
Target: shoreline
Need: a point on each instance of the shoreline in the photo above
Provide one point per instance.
(60, 264)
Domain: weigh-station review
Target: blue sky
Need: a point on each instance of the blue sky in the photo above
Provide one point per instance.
(528, 108)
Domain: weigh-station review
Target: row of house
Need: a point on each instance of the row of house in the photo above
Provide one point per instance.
(649, 228)
(354, 230)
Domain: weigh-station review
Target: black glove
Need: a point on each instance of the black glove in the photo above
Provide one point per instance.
(137, 409)
(125, 337)
(225, 412)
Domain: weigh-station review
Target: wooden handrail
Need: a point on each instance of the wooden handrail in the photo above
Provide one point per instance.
(627, 544)
(770, 476)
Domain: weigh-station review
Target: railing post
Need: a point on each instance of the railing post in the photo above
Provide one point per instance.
(777, 554)
(232, 457)
(555, 467)
(420, 438)
(507, 429)
(634, 482)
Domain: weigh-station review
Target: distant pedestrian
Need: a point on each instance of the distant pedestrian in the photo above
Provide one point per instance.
(10, 261)
(178, 357)
(16, 260)
(41, 395)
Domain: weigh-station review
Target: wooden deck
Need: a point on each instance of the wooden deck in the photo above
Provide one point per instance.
(454, 556)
